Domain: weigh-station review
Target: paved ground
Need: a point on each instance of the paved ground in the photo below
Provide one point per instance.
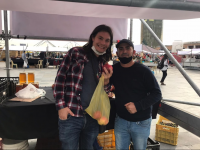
(177, 88)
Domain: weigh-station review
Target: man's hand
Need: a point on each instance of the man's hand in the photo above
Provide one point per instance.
(63, 113)
(107, 74)
(131, 107)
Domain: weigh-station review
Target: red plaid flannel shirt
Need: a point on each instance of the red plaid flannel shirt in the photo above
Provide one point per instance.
(68, 83)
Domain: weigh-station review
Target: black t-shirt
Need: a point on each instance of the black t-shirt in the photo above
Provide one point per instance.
(135, 84)
(89, 82)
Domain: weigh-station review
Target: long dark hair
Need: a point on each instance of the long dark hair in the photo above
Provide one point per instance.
(165, 57)
(87, 47)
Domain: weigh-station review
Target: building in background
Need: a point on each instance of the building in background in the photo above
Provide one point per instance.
(146, 37)
(186, 45)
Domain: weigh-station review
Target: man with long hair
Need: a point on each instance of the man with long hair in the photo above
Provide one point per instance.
(75, 84)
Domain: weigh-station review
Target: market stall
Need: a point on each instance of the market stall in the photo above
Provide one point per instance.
(37, 119)
(146, 49)
(67, 8)
(191, 58)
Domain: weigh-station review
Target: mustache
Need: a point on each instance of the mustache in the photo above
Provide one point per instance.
(124, 54)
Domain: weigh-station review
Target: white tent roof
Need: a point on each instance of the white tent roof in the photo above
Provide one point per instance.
(75, 28)
(146, 49)
(95, 10)
(189, 52)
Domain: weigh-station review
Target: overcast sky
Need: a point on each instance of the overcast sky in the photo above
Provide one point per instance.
(185, 30)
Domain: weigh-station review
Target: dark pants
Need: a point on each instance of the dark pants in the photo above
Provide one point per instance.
(164, 76)
(78, 132)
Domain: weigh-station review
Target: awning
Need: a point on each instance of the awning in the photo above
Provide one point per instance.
(146, 49)
(189, 52)
(143, 9)
(72, 27)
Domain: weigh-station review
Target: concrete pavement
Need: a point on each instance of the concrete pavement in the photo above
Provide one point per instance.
(177, 88)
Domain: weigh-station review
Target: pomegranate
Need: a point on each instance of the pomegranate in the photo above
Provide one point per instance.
(107, 66)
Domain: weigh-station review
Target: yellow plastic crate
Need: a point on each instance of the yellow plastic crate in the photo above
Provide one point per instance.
(107, 140)
(166, 134)
(161, 118)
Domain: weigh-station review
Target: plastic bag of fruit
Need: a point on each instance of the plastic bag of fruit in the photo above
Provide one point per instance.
(99, 107)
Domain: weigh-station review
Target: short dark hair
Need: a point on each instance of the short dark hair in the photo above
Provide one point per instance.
(165, 56)
(125, 41)
(87, 47)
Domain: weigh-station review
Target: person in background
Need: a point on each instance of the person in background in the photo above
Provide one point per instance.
(164, 69)
(75, 84)
(61, 56)
(43, 57)
(136, 93)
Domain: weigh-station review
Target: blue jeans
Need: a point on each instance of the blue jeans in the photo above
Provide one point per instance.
(78, 132)
(127, 130)
(96, 145)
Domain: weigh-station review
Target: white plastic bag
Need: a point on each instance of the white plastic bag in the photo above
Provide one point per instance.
(30, 91)
(25, 64)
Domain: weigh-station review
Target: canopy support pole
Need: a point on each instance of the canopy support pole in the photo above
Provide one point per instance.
(131, 30)
(179, 67)
(6, 38)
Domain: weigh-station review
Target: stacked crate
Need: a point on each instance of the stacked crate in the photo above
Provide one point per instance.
(166, 131)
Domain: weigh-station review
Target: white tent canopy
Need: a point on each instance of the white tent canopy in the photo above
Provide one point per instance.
(70, 27)
(189, 52)
(143, 48)
(95, 10)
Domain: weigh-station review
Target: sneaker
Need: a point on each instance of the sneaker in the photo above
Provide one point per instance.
(162, 83)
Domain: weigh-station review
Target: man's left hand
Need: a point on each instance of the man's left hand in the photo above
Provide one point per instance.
(131, 107)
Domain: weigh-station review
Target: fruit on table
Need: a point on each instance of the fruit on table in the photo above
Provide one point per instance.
(97, 115)
(103, 121)
(107, 66)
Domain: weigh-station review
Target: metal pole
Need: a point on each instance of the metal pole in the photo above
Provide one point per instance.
(6, 43)
(131, 30)
(190, 58)
(172, 58)
(46, 38)
(181, 102)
